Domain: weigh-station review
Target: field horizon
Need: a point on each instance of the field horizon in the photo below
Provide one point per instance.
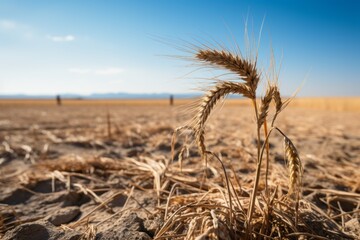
(349, 104)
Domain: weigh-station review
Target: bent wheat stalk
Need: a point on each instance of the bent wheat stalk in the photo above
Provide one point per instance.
(208, 103)
(245, 69)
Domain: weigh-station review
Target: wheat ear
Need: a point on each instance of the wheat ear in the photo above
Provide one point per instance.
(279, 104)
(265, 104)
(295, 166)
(277, 99)
(234, 63)
(221, 89)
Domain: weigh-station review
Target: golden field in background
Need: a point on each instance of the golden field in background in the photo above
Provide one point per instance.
(348, 104)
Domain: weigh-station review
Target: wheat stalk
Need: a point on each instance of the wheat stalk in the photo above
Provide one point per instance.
(265, 104)
(247, 71)
(209, 101)
(234, 63)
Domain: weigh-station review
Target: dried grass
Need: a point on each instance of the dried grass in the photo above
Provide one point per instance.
(216, 209)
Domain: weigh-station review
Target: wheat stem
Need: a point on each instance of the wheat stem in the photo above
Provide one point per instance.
(267, 159)
(257, 177)
(227, 185)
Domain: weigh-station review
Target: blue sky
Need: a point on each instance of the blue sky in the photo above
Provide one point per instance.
(50, 47)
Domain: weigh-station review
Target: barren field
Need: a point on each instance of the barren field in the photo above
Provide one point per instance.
(104, 170)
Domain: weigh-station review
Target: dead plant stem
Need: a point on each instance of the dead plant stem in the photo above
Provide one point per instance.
(254, 192)
(267, 159)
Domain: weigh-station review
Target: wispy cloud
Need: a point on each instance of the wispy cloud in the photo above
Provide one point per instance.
(66, 38)
(7, 24)
(110, 71)
(14, 28)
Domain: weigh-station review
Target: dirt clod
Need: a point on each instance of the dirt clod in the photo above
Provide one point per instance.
(40, 230)
(64, 215)
(127, 227)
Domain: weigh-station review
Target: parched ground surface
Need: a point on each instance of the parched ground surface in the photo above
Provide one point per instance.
(71, 173)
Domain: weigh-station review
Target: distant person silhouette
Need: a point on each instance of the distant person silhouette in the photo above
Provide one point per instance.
(58, 100)
(171, 100)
